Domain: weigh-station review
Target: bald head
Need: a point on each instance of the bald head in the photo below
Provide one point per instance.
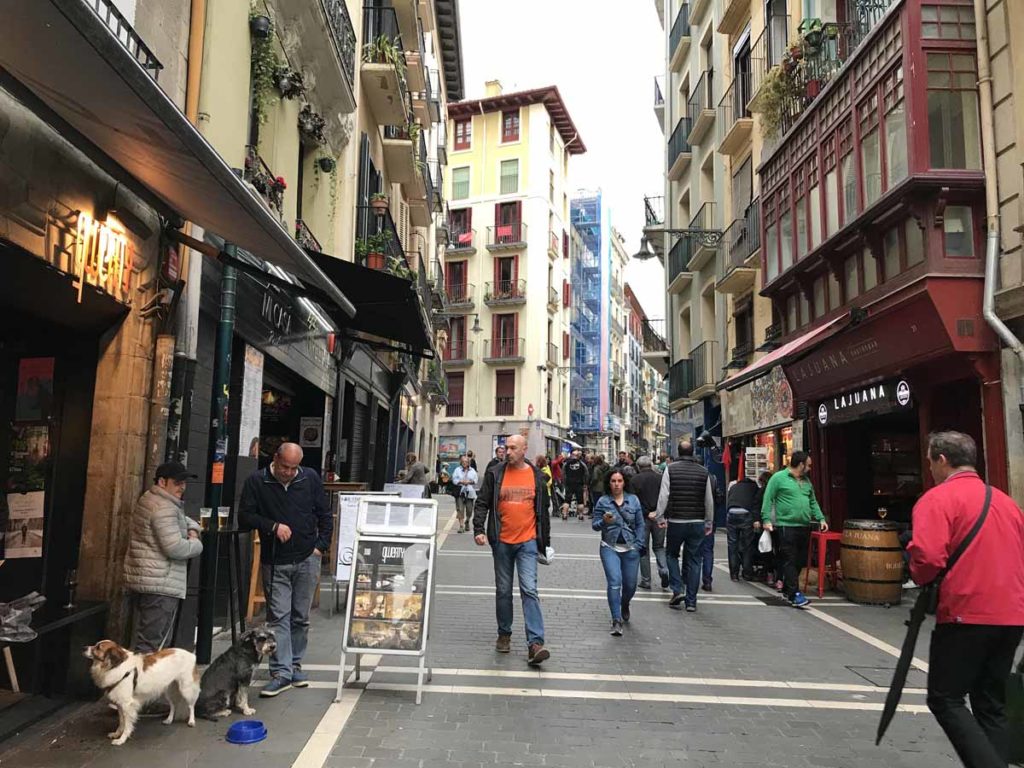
(287, 459)
(515, 450)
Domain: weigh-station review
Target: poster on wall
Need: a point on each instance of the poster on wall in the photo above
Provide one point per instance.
(387, 607)
(251, 408)
(311, 431)
(348, 516)
(449, 450)
(28, 458)
(34, 401)
(23, 530)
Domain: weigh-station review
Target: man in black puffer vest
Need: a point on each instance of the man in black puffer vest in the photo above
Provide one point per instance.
(742, 527)
(687, 503)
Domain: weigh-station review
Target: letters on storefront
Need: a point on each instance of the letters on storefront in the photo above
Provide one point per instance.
(877, 398)
(102, 257)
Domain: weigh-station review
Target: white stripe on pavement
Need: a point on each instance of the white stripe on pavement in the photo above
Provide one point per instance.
(555, 594)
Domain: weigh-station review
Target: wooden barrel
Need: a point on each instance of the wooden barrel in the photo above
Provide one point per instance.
(872, 562)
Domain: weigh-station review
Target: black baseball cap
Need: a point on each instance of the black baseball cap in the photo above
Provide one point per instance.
(174, 470)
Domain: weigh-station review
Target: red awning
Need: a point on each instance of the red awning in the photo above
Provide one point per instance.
(786, 352)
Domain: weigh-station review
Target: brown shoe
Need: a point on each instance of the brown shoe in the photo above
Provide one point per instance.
(538, 654)
(503, 644)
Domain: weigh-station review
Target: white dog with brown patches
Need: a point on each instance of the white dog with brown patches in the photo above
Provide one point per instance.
(130, 680)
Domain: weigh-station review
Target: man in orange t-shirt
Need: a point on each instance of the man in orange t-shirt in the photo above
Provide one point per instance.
(509, 514)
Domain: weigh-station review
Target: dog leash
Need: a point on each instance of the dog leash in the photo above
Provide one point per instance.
(135, 681)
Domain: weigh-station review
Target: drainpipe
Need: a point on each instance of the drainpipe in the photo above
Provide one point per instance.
(992, 242)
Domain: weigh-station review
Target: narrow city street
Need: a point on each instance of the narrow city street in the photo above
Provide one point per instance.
(744, 681)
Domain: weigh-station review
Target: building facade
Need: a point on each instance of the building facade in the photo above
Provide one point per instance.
(507, 271)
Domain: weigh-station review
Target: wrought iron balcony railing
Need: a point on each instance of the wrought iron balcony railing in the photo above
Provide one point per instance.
(678, 143)
(270, 187)
(508, 349)
(706, 365)
(702, 96)
(304, 237)
(680, 379)
(461, 238)
(653, 341)
(506, 235)
(458, 350)
(742, 238)
(654, 211)
(768, 49)
(505, 292)
(343, 34)
(126, 35)
(680, 28)
(460, 295)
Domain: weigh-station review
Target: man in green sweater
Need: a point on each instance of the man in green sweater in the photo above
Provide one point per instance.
(789, 505)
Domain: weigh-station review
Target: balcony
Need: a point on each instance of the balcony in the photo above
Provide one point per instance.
(442, 142)
(553, 356)
(384, 84)
(304, 237)
(327, 54)
(680, 383)
(505, 293)
(739, 358)
(680, 153)
(506, 236)
(504, 350)
(455, 409)
(504, 406)
(554, 245)
(735, 120)
(408, 22)
(553, 298)
(679, 39)
(704, 220)
(460, 297)
(399, 154)
(741, 245)
(378, 244)
(263, 180)
(679, 274)
(659, 100)
(707, 365)
(461, 242)
(434, 92)
(772, 338)
(700, 108)
(617, 327)
(697, 10)
(435, 191)
(435, 385)
(457, 353)
(766, 53)
(733, 17)
(617, 374)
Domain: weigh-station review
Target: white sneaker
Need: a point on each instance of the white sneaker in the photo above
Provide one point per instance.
(911, 585)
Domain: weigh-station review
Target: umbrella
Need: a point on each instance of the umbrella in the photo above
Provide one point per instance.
(899, 677)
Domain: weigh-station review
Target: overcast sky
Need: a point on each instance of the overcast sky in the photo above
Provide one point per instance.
(603, 56)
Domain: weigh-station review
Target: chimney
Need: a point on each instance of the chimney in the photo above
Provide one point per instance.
(493, 88)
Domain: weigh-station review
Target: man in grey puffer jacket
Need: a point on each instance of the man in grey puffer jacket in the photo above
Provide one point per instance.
(162, 540)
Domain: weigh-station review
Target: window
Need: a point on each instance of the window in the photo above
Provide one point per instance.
(792, 313)
(463, 133)
(958, 228)
(835, 295)
(870, 150)
(820, 291)
(802, 244)
(456, 390)
(915, 243)
(849, 188)
(891, 247)
(460, 183)
(815, 195)
(771, 253)
(504, 393)
(744, 318)
(505, 273)
(895, 129)
(786, 238)
(457, 347)
(805, 309)
(832, 206)
(551, 187)
(509, 177)
(462, 227)
(947, 22)
(851, 284)
(551, 139)
(455, 276)
(510, 125)
(953, 123)
(870, 271)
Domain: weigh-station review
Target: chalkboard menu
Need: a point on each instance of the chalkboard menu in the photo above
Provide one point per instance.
(388, 595)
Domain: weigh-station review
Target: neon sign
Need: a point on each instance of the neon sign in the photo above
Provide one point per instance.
(102, 257)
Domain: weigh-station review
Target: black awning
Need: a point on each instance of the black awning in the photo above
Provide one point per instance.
(387, 307)
(65, 54)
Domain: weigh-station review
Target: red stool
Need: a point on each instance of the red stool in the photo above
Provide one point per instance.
(819, 545)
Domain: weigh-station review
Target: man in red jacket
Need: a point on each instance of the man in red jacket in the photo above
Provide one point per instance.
(980, 616)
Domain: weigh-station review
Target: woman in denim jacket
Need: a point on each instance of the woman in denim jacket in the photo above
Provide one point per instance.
(620, 519)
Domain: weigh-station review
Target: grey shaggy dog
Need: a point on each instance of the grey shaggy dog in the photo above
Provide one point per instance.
(226, 681)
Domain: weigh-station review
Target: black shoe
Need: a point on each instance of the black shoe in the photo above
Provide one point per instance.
(625, 613)
(664, 581)
(734, 577)
(676, 600)
(616, 629)
(706, 586)
(644, 585)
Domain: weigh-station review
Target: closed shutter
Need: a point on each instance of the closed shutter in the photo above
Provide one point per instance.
(357, 462)
(565, 344)
(566, 294)
(403, 225)
(504, 393)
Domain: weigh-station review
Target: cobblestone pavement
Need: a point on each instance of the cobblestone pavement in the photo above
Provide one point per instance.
(745, 681)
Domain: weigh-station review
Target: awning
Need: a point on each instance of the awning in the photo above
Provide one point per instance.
(387, 307)
(65, 54)
(786, 352)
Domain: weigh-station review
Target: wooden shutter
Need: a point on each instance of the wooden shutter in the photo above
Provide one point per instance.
(566, 293)
(565, 345)
(456, 386)
(505, 383)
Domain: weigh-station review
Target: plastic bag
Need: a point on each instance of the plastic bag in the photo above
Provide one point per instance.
(547, 556)
(764, 544)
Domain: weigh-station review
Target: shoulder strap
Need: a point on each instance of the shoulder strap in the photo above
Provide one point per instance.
(958, 552)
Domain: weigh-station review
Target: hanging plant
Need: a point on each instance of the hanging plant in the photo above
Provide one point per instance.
(779, 90)
(289, 83)
(260, 26)
(379, 202)
(263, 66)
(311, 126)
(326, 163)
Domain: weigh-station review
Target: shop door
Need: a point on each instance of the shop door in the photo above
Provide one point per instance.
(357, 464)
(380, 467)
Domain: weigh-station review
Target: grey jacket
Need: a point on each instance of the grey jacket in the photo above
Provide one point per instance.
(159, 545)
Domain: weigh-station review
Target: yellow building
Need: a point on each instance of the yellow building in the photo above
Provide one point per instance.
(507, 268)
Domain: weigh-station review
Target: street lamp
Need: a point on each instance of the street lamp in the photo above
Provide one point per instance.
(706, 237)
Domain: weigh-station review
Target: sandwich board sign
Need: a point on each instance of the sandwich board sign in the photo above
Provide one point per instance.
(391, 583)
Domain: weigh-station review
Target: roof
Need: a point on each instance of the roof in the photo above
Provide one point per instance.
(548, 96)
(447, 13)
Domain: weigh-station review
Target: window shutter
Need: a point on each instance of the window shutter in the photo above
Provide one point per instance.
(565, 345)
(565, 245)
(565, 293)
(505, 383)
(456, 387)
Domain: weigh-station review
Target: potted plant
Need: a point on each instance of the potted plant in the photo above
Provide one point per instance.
(311, 125)
(811, 31)
(399, 268)
(326, 163)
(373, 250)
(289, 83)
(276, 194)
(379, 202)
(259, 26)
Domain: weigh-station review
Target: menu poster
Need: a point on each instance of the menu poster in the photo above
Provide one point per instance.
(387, 607)
(348, 515)
(23, 526)
(27, 460)
(34, 401)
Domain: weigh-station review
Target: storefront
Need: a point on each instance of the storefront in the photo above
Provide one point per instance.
(758, 425)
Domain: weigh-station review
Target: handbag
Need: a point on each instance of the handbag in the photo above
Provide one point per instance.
(930, 592)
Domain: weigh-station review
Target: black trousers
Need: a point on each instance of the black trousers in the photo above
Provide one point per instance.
(973, 660)
(742, 543)
(792, 553)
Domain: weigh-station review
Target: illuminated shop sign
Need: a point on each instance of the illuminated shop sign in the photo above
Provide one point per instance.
(102, 258)
(884, 397)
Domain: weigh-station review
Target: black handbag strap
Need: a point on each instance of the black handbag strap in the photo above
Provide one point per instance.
(962, 547)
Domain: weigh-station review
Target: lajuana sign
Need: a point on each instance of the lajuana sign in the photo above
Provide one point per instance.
(102, 257)
(873, 399)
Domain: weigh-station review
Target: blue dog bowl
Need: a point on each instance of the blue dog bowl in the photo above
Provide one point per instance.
(247, 732)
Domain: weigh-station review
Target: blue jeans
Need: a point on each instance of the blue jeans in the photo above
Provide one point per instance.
(708, 552)
(523, 558)
(688, 537)
(289, 600)
(620, 570)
